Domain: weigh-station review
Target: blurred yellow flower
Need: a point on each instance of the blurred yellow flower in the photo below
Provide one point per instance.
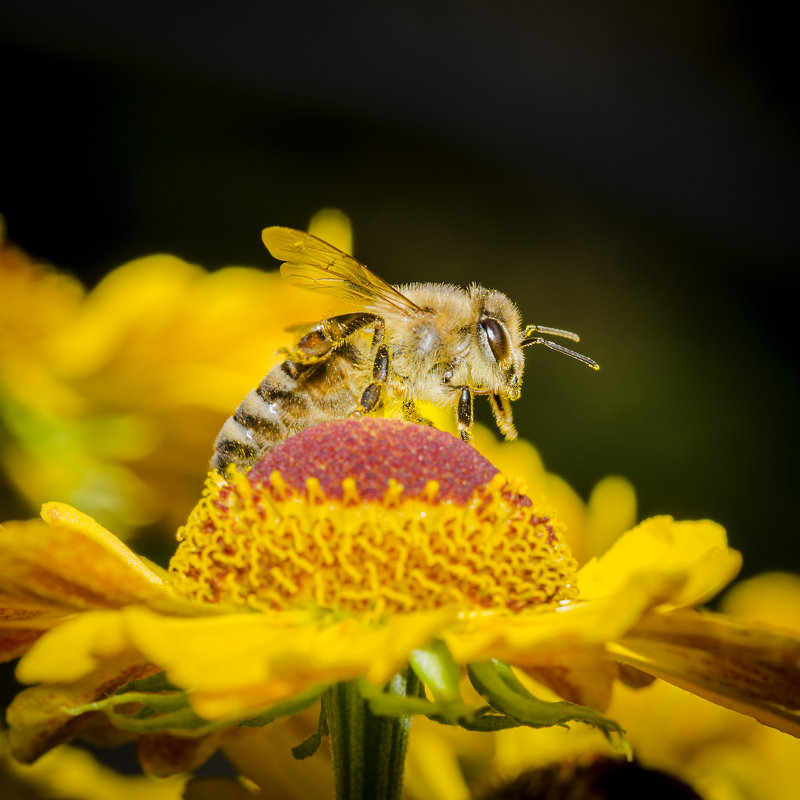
(110, 399)
(363, 545)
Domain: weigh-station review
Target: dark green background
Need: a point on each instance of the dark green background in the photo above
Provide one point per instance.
(630, 173)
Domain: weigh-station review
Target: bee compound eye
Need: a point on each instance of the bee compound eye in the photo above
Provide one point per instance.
(498, 340)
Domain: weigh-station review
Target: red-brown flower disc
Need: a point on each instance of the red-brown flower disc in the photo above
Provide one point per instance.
(372, 451)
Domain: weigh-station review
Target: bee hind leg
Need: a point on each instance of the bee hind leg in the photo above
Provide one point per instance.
(329, 334)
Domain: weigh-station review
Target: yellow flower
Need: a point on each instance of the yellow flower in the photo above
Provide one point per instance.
(110, 398)
(352, 549)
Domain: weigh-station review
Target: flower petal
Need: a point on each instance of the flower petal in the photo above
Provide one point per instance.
(584, 681)
(22, 622)
(694, 552)
(162, 754)
(69, 561)
(37, 718)
(263, 756)
(551, 636)
(75, 648)
(740, 665)
(259, 659)
(72, 772)
(772, 598)
(610, 512)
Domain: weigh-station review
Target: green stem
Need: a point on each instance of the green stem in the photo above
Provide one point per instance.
(368, 749)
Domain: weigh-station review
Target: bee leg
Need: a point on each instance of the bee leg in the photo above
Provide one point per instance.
(501, 408)
(411, 414)
(329, 334)
(464, 413)
(372, 395)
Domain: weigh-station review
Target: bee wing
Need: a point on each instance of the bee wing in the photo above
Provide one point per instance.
(311, 263)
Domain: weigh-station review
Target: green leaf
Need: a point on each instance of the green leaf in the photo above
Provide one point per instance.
(311, 744)
(153, 713)
(437, 669)
(153, 704)
(286, 708)
(498, 685)
(155, 683)
(394, 704)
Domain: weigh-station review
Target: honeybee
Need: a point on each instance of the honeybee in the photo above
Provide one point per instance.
(420, 342)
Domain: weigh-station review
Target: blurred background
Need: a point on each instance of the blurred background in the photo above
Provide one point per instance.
(628, 171)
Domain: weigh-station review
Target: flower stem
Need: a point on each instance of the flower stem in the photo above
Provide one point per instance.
(368, 749)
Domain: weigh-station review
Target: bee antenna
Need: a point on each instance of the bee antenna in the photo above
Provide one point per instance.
(529, 337)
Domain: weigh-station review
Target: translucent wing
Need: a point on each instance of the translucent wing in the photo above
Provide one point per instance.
(313, 264)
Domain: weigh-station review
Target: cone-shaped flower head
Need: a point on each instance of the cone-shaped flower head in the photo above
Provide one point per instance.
(372, 516)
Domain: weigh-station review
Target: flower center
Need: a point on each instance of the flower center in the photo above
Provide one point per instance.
(265, 542)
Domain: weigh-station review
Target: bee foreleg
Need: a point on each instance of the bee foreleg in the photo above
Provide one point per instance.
(501, 408)
(380, 372)
(464, 413)
(329, 334)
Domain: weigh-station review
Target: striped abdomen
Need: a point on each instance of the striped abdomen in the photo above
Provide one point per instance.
(291, 397)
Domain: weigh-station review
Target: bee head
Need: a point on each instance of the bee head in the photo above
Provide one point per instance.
(499, 336)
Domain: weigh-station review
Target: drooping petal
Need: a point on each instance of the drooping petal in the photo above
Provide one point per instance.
(740, 665)
(38, 719)
(162, 754)
(22, 622)
(586, 681)
(69, 562)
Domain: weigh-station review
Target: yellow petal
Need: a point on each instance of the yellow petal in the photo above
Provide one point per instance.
(36, 717)
(162, 754)
(76, 648)
(773, 598)
(69, 561)
(72, 772)
(433, 771)
(740, 665)
(610, 512)
(22, 622)
(240, 663)
(543, 638)
(137, 295)
(333, 226)
(263, 756)
(696, 553)
(586, 680)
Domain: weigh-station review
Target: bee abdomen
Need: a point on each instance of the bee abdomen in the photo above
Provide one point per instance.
(260, 422)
